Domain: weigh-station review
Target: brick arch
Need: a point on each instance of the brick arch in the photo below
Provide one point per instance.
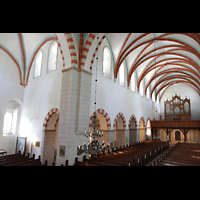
(104, 113)
(48, 115)
(123, 119)
(61, 51)
(56, 124)
(142, 118)
(72, 49)
(148, 119)
(132, 117)
(86, 48)
(96, 49)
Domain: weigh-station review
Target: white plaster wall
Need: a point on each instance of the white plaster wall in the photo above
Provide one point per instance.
(114, 98)
(10, 89)
(40, 96)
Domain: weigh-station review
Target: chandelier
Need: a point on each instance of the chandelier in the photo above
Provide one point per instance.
(94, 148)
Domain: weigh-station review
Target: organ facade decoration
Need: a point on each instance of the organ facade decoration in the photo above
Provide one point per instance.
(177, 109)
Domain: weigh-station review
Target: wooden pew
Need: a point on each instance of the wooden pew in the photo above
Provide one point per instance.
(20, 160)
(182, 155)
(127, 156)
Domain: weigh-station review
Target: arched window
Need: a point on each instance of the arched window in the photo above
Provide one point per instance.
(106, 62)
(148, 92)
(121, 74)
(11, 117)
(133, 82)
(8, 120)
(153, 96)
(38, 64)
(142, 88)
(52, 57)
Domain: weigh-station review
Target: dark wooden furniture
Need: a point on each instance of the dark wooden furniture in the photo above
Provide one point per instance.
(20, 160)
(183, 155)
(133, 155)
(168, 126)
(2, 152)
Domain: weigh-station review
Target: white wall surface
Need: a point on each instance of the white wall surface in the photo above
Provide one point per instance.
(10, 89)
(114, 98)
(40, 96)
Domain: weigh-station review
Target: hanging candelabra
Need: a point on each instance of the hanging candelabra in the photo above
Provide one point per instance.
(94, 148)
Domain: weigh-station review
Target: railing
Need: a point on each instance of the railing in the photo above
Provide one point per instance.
(181, 124)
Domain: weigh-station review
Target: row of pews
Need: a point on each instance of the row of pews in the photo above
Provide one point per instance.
(134, 155)
(183, 154)
(20, 160)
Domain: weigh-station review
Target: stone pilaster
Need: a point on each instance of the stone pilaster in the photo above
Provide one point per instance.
(74, 113)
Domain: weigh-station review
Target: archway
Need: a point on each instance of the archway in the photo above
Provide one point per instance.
(177, 136)
(148, 132)
(103, 121)
(50, 136)
(120, 124)
(132, 130)
(142, 129)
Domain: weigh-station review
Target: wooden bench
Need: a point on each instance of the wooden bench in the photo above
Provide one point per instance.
(20, 160)
(182, 155)
(133, 155)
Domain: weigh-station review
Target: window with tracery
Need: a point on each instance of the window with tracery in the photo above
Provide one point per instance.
(52, 61)
(107, 62)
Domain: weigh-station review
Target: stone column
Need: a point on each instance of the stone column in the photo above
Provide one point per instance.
(74, 113)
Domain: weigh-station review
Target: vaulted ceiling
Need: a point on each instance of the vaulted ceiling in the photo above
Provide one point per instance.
(22, 49)
(162, 60)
